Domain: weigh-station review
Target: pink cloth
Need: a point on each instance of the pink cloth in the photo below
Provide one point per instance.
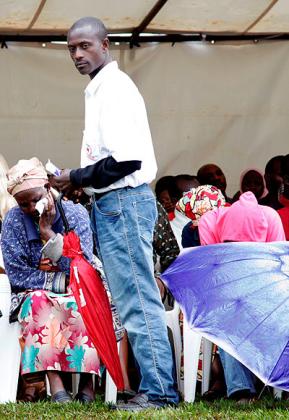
(244, 221)
(25, 175)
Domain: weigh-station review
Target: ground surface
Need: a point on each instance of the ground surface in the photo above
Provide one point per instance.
(222, 410)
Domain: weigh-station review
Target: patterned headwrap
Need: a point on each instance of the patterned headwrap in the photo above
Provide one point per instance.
(26, 174)
(198, 201)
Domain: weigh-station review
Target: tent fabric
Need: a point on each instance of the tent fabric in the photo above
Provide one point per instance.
(179, 16)
(222, 103)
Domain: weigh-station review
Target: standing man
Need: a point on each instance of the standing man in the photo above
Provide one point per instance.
(117, 164)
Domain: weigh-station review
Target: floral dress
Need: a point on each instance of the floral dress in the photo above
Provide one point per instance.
(54, 336)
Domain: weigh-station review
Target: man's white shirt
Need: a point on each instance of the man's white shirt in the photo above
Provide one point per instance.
(116, 125)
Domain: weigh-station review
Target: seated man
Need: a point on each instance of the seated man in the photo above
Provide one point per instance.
(53, 335)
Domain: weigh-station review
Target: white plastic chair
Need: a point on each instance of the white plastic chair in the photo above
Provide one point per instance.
(192, 343)
(172, 320)
(10, 351)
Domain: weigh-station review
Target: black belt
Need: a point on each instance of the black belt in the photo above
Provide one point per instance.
(97, 196)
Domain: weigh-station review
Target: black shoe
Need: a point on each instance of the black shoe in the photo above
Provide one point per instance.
(140, 402)
(83, 398)
(243, 396)
(61, 397)
(213, 394)
(125, 395)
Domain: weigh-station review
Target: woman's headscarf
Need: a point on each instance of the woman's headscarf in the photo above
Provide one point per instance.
(198, 201)
(244, 221)
(26, 174)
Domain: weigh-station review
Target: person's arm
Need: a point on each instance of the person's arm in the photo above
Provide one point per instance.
(99, 175)
(78, 219)
(103, 173)
(275, 227)
(164, 242)
(22, 275)
(207, 228)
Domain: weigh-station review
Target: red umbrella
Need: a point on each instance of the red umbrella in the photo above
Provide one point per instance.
(92, 302)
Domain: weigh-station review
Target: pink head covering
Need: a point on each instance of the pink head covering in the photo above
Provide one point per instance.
(244, 221)
(198, 201)
(26, 174)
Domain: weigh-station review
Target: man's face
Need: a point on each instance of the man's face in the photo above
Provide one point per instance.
(213, 175)
(87, 51)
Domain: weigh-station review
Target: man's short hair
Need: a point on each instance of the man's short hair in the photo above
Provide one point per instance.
(96, 24)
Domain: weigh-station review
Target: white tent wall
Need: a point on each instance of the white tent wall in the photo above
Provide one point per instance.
(222, 103)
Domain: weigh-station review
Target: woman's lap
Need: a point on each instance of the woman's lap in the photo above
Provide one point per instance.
(54, 336)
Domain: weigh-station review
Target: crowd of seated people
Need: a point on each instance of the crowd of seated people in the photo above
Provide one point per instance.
(38, 273)
(270, 189)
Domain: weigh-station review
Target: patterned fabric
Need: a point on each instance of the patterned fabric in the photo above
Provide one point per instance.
(21, 247)
(198, 201)
(54, 336)
(164, 241)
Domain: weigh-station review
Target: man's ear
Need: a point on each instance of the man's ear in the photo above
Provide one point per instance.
(105, 44)
(47, 186)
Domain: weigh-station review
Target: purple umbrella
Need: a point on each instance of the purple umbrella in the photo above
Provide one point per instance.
(237, 296)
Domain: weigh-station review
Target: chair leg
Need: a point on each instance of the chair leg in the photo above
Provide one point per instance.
(207, 361)
(192, 342)
(110, 390)
(277, 392)
(110, 387)
(75, 383)
(10, 355)
(172, 319)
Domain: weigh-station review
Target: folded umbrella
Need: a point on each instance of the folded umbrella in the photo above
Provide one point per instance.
(237, 296)
(92, 302)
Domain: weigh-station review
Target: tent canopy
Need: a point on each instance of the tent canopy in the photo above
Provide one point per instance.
(54, 17)
(225, 103)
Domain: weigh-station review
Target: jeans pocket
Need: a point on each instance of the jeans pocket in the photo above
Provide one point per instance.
(146, 217)
(108, 207)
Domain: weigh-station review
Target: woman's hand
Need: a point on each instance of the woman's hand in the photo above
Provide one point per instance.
(47, 218)
(46, 265)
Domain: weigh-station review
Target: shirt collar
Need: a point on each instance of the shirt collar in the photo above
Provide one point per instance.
(101, 75)
(31, 228)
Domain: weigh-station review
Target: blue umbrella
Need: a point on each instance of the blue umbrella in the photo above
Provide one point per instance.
(237, 296)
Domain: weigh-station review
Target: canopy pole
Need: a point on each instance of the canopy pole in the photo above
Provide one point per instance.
(36, 14)
(142, 26)
(260, 17)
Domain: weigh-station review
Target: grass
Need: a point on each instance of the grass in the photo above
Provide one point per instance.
(264, 409)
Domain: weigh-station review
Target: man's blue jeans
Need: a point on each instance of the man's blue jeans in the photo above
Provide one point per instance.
(237, 376)
(123, 221)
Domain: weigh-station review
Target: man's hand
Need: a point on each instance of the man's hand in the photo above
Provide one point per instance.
(62, 182)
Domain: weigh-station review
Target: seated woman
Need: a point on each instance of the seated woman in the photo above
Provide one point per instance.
(54, 338)
(193, 205)
(244, 221)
